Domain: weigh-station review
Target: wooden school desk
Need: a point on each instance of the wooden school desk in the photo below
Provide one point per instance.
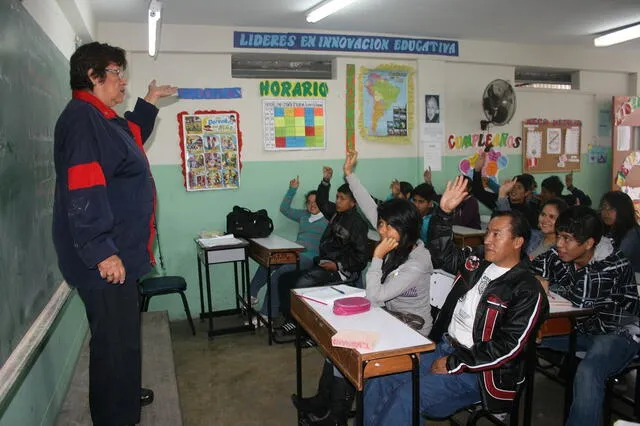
(273, 250)
(397, 351)
(561, 322)
(464, 236)
(224, 252)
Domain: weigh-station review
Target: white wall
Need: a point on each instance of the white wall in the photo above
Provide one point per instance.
(200, 56)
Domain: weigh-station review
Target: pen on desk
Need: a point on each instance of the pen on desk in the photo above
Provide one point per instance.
(338, 290)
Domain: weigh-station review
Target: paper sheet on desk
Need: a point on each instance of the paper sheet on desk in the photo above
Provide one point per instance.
(558, 301)
(219, 241)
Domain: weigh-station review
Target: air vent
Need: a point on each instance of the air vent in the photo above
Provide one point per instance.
(546, 78)
(281, 66)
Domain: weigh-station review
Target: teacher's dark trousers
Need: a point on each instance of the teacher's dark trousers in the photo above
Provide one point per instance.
(114, 364)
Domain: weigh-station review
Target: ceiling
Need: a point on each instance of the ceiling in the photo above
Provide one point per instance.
(573, 22)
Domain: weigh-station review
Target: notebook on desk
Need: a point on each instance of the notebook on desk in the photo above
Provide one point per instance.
(328, 294)
(557, 301)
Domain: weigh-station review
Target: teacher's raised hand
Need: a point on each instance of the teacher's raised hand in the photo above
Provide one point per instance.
(156, 92)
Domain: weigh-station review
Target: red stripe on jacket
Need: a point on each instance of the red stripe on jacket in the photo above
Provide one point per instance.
(85, 175)
(137, 136)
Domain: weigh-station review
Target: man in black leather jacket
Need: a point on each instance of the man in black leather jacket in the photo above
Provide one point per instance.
(494, 308)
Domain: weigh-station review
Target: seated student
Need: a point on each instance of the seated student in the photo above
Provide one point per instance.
(515, 195)
(399, 189)
(343, 247)
(587, 270)
(620, 224)
(492, 311)
(543, 238)
(312, 224)
(398, 278)
(552, 187)
(423, 197)
(468, 212)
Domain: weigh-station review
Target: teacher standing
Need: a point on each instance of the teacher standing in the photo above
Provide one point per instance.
(103, 217)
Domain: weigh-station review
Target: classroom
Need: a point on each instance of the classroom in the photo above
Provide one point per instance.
(237, 65)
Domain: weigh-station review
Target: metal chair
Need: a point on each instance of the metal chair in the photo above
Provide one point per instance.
(157, 286)
(611, 393)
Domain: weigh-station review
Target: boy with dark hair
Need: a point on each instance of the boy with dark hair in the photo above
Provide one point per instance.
(552, 187)
(516, 195)
(423, 197)
(343, 247)
(588, 271)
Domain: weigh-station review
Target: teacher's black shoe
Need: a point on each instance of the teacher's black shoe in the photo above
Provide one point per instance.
(146, 397)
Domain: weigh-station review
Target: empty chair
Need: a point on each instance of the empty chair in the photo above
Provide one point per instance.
(157, 286)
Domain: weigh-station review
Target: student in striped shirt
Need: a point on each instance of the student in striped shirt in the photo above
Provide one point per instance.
(587, 270)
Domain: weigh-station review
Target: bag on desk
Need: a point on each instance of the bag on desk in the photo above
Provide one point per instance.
(244, 223)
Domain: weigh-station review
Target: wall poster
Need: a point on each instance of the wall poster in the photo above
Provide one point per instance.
(386, 103)
(210, 144)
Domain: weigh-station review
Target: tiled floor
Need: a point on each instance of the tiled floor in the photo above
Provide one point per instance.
(239, 380)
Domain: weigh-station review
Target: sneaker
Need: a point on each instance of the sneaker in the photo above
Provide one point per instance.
(254, 301)
(256, 323)
(288, 328)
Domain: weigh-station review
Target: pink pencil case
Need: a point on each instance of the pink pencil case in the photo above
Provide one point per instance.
(351, 305)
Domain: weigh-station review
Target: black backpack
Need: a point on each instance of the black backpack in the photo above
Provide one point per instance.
(244, 223)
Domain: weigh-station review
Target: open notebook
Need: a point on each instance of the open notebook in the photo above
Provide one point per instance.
(329, 294)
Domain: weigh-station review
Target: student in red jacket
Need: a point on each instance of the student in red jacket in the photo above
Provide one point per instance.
(102, 221)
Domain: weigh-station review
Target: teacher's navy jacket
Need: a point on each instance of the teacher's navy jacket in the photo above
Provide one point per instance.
(105, 195)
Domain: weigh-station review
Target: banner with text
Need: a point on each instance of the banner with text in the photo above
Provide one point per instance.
(344, 43)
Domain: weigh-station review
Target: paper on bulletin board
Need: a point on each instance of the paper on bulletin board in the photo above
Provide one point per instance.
(432, 138)
(554, 140)
(534, 144)
(624, 138)
(604, 119)
(572, 141)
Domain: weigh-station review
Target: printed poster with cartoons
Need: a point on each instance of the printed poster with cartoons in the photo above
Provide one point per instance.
(210, 142)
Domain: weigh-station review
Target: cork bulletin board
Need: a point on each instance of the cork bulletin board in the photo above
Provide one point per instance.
(551, 146)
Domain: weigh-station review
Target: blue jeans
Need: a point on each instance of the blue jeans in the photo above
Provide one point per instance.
(388, 399)
(259, 280)
(605, 355)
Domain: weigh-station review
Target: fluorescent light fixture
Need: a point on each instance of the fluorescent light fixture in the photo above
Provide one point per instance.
(155, 9)
(618, 36)
(325, 9)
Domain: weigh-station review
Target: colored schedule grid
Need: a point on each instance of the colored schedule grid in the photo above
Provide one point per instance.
(294, 125)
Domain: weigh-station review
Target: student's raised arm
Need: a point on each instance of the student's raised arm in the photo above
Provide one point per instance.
(444, 253)
(327, 208)
(365, 201)
(285, 205)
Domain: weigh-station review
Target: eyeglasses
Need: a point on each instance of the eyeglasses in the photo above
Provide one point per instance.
(120, 73)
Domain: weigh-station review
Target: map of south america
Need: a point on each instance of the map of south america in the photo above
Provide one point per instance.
(384, 95)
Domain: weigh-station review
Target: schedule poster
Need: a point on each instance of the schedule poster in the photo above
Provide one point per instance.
(294, 124)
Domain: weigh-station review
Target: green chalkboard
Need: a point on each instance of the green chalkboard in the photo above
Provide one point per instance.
(33, 92)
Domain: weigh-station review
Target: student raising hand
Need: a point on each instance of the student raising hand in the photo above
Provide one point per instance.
(327, 173)
(295, 182)
(384, 247)
(455, 193)
(427, 175)
(350, 162)
(506, 187)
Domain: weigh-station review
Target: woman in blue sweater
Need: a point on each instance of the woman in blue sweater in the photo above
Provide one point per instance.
(312, 224)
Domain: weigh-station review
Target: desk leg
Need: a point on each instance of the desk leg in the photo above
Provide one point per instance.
(246, 291)
(235, 280)
(298, 366)
(415, 381)
(209, 304)
(528, 392)
(571, 369)
(200, 285)
(269, 307)
(359, 420)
